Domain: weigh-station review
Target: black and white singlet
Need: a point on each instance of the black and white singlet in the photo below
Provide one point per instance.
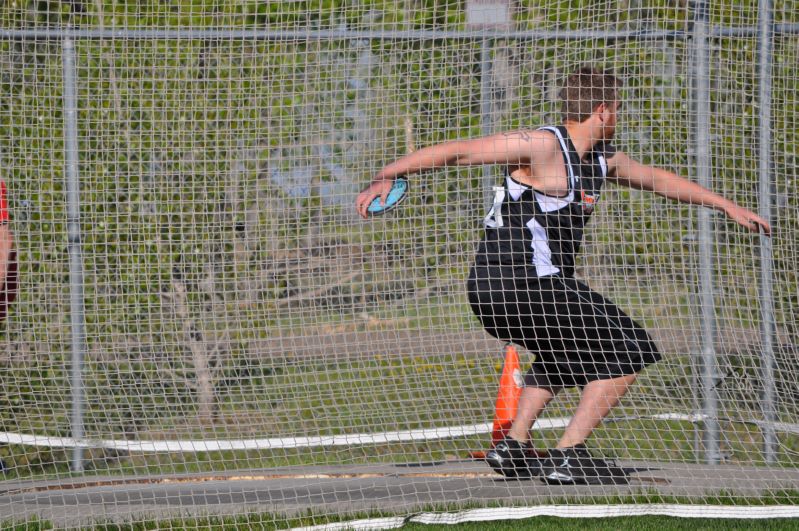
(526, 228)
(522, 285)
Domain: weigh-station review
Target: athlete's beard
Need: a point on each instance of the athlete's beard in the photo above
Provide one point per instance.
(605, 134)
(608, 131)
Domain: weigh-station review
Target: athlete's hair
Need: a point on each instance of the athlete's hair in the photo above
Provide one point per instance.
(585, 90)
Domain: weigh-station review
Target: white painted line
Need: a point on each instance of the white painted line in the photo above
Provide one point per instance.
(332, 440)
(249, 444)
(568, 511)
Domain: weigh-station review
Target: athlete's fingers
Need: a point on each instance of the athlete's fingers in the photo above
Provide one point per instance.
(749, 219)
(365, 198)
(362, 203)
(763, 224)
(749, 224)
(756, 224)
(358, 205)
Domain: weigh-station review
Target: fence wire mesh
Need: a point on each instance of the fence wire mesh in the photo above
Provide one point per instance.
(198, 299)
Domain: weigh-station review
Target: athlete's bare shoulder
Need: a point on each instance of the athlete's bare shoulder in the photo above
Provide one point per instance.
(527, 135)
(542, 144)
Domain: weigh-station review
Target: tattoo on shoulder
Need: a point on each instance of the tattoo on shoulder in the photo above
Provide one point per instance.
(521, 135)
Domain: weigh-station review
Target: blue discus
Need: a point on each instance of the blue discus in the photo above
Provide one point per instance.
(395, 196)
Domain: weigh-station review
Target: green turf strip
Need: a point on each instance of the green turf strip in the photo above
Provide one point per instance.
(638, 523)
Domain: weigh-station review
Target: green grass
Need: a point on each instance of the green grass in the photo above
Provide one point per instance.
(310, 518)
(393, 392)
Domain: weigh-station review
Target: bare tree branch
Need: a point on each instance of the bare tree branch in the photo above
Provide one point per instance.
(319, 291)
(194, 340)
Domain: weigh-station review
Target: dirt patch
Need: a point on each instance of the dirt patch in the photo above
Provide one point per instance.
(337, 345)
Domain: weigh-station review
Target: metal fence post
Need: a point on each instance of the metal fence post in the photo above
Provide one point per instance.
(77, 315)
(488, 15)
(486, 113)
(766, 196)
(702, 161)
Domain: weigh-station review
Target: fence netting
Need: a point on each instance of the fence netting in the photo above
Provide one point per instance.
(220, 315)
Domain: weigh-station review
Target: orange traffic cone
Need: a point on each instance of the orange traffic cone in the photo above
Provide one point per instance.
(510, 389)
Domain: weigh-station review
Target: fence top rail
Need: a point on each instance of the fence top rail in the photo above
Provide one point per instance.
(391, 35)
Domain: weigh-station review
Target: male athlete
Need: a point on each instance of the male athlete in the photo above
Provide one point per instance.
(522, 285)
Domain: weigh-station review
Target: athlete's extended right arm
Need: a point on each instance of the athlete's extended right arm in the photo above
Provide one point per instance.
(519, 147)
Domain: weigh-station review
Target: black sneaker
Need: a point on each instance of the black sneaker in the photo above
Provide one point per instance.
(510, 458)
(575, 466)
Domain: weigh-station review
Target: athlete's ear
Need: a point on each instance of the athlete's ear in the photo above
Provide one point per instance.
(600, 111)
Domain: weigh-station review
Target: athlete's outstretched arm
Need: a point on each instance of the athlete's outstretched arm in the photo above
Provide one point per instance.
(518, 147)
(629, 172)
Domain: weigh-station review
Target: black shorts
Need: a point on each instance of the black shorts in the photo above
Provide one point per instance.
(576, 335)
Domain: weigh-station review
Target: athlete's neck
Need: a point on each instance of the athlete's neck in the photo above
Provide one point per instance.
(584, 135)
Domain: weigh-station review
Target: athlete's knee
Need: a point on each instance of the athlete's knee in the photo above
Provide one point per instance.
(539, 389)
(616, 385)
